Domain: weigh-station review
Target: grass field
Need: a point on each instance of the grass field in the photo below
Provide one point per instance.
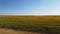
(46, 24)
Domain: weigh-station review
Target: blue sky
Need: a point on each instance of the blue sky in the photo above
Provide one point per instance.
(30, 7)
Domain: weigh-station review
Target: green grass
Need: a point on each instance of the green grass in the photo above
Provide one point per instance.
(47, 24)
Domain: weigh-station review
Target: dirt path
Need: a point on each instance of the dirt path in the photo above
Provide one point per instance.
(9, 31)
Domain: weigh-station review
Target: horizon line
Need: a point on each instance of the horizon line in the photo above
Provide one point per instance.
(29, 15)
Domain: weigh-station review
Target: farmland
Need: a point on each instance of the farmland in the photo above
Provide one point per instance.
(46, 24)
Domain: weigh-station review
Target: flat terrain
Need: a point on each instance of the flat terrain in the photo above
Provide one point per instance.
(9, 31)
(45, 24)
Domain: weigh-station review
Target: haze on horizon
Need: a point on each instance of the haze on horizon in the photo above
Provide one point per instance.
(29, 7)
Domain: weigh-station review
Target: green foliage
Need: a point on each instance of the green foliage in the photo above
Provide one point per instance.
(47, 24)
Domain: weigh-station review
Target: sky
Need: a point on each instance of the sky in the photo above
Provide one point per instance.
(29, 7)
